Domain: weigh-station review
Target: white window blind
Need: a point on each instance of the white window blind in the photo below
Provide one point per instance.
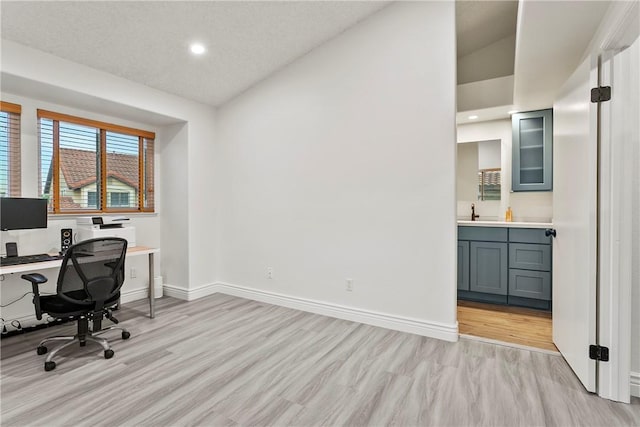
(10, 169)
(123, 170)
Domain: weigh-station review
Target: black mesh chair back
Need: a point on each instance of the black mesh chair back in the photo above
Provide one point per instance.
(89, 283)
(92, 272)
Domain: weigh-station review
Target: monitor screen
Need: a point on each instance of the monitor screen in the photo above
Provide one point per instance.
(21, 213)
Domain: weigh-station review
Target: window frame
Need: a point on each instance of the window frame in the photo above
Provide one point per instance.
(14, 156)
(119, 195)
(103, 128)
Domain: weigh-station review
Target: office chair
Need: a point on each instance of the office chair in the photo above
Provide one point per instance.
(89, 283)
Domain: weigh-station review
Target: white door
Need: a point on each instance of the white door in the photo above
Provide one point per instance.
(575, 159)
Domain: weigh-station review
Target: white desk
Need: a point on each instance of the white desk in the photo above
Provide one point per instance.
(133, 251)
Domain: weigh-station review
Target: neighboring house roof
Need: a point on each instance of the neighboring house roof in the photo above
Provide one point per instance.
(66, 202)
(78, 168)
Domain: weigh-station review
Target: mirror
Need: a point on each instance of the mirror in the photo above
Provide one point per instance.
(478, 170)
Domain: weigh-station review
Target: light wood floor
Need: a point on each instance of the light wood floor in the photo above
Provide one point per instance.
(223, 360)
(509, 324)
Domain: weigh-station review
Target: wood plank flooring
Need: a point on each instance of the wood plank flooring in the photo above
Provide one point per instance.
(509, 324)
(228, 361)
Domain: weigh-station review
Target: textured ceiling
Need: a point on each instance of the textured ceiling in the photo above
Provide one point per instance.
(480, 23)
(147, 41)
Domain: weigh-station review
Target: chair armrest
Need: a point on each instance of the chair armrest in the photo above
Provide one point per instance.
(36, 279)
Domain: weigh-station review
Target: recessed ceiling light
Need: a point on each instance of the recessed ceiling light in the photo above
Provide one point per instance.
(197, 49)
(473, 117)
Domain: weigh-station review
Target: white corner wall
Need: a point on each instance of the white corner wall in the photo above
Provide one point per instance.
(341, 166)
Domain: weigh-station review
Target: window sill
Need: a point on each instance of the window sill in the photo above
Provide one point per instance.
(64, 216)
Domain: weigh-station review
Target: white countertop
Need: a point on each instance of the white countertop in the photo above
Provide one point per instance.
(505, 224)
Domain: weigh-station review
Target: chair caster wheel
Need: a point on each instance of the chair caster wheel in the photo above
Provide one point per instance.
(41, 350)
(49, 366)
(108, 354)
(125, 335)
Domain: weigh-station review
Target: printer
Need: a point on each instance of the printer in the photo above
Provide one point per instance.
(93, 227)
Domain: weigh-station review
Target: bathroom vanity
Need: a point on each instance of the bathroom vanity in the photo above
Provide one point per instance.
(505, 263)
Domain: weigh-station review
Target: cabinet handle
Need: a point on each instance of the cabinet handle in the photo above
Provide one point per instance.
(550, 232)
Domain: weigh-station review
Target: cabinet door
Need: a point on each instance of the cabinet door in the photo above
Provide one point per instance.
(463, 265)
(530, 284)
(532, 151)
(488, 267)
(526, 256)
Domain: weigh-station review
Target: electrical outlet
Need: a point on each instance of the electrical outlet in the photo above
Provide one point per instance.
(269, 273)
(134, 273)
(349, 285)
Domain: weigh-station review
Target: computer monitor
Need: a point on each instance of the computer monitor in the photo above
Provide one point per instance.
(22, 214)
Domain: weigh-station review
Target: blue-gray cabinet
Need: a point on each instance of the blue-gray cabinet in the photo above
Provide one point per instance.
(532, 151)
(505, 266)
(488, 267)
(463, 265)
(526, 256)
(530, 284)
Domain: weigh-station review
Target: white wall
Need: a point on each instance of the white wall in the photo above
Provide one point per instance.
(467, 172)
(635, 258)
(526, 206)
(635, 262)
(486, 94)
(489, 154)
(340, 166)
(174, 189)
(490, 62)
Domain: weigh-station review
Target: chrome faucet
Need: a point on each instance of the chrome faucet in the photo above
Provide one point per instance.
(473, 212)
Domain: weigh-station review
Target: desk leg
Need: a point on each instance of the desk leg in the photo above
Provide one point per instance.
(152, 288)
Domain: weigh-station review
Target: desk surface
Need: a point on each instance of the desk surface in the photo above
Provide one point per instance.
(22, 268)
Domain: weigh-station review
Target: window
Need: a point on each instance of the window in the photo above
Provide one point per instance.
(10, 150)
(119, 199)
(91, 166)
(489, 184)
(92, 199)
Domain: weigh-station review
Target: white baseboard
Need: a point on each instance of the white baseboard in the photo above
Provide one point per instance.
(404, 324)
(635, 384)
(189, 294)
(133, 295)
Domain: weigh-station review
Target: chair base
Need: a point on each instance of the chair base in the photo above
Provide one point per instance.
(82, 337)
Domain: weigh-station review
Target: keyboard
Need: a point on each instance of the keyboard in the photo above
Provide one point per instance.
(28, 259)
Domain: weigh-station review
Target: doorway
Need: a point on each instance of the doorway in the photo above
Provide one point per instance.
(489, 313)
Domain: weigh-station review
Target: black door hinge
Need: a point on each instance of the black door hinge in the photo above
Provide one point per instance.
(600, 94)
(599, 353)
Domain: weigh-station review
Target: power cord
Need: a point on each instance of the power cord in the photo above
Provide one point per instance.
(16, 300)
(24, 295)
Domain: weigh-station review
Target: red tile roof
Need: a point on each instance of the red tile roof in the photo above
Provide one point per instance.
(66, 202)
(79, 170)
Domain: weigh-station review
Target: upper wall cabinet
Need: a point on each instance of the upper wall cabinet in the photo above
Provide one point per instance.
(532, 151)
